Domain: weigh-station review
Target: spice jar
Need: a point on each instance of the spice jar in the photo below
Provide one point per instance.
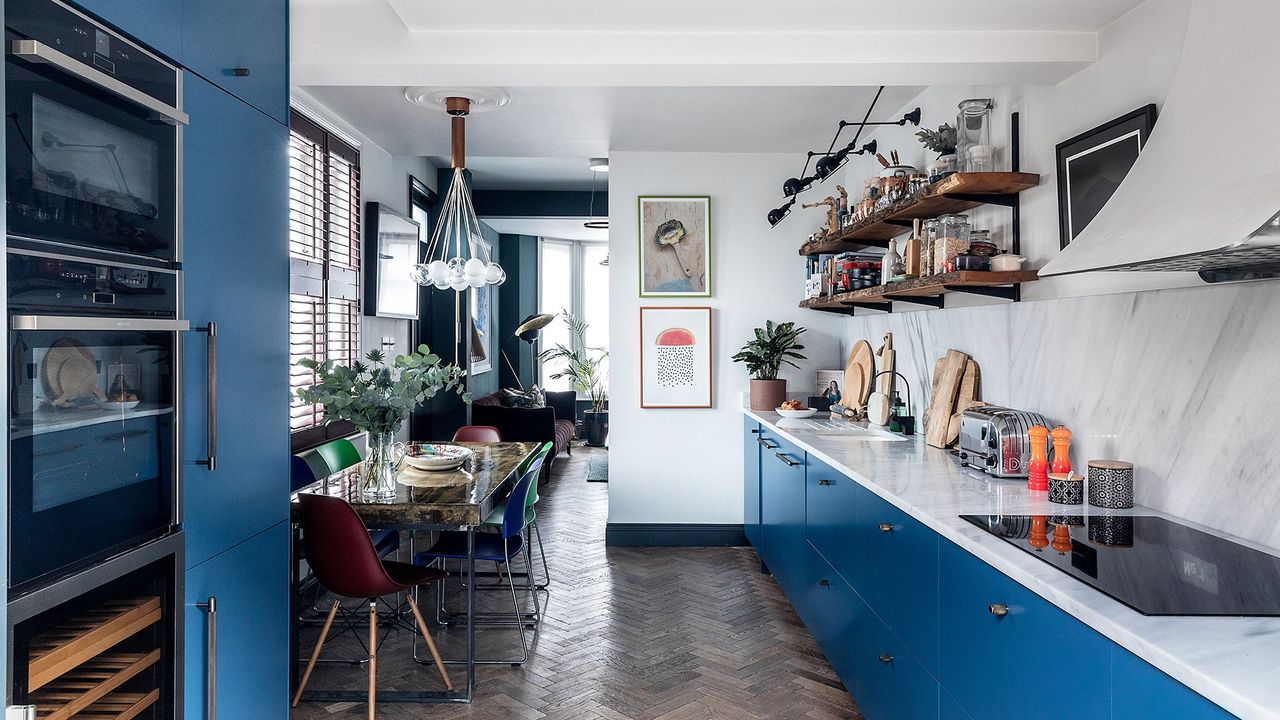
(953, 231)
(931, 236)
(973, 136)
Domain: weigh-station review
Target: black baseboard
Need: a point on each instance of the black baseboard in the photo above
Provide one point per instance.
(673, 535)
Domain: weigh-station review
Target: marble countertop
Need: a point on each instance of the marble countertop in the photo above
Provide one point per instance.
(1230, 660)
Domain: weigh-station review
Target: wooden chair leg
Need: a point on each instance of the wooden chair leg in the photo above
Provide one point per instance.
(431, 645)
(315, 654)
(373, 656)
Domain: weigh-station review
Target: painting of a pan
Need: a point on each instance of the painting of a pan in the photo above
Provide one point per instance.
(675, 246)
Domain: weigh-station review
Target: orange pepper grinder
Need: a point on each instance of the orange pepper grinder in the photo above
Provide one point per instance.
(1038, 465)
(1061, 539)
(1061, 450)
(1039, 537)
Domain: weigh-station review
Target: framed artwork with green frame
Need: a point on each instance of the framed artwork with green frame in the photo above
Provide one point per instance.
(675, 245)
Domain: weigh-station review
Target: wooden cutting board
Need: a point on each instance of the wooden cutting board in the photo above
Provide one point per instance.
(943, 400)
(967, 397)
(857, 376)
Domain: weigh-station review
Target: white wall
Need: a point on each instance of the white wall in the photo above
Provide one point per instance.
(685, 466)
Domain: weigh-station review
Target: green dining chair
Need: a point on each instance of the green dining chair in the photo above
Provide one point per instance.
(530, 513)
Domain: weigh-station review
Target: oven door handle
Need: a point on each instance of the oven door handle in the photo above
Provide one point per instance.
(211, 390)
(37, 52)
(59, 322)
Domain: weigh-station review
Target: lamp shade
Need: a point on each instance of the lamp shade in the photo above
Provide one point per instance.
(532, 325)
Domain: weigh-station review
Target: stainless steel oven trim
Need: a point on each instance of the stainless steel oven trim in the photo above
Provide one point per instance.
(141, 48)
(73, 322)
(37, 52)
(78, 252)
(96, 261)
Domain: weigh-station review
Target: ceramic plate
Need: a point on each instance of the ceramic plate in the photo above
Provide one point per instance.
(807, 412)
(438, 457)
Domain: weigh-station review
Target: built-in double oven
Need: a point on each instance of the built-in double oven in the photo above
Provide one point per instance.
(93, 133)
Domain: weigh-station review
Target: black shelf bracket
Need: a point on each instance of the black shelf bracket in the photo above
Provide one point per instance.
(933, 301)
(834, 310)
(870, 305)
(1012, 292)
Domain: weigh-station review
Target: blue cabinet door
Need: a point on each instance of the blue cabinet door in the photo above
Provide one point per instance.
(751, 482)
(897, 561)
(891, 684)
(782, 480)
(1009, 664)
(235, 194)
(241, 45)
(829, 516)
(1140, 690)
(831, 610)
(154, 23)
(251, 658)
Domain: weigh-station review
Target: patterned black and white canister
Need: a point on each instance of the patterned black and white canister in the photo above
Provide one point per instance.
(1113, 530)
(1066, 488)
(1110, 484)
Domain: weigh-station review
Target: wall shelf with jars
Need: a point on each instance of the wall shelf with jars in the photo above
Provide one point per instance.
(941, 254)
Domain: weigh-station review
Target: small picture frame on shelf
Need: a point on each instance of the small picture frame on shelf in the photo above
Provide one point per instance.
(1092, 164)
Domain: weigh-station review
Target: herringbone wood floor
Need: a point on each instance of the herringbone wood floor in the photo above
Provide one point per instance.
(629, 634)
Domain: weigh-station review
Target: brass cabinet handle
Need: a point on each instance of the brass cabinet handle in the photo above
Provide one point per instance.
(998, 609)
(824, 582)
(886, 658)
(886, 527)
(824, 482)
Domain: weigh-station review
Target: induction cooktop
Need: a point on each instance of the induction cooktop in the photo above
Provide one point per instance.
(1152, 564)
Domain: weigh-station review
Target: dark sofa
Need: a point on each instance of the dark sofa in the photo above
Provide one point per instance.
(554, 423)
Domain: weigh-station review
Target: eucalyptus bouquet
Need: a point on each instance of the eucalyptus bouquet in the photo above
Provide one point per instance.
(377, 398)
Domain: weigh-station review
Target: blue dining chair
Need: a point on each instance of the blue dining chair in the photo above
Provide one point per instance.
(499, 548)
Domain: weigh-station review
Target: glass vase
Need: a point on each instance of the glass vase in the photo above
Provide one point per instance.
(378, 474)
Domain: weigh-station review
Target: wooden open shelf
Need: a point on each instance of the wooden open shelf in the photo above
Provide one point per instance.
(59, 651)
(952, 194)
(926, 290)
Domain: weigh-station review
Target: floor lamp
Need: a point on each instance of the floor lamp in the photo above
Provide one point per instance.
(528, 331)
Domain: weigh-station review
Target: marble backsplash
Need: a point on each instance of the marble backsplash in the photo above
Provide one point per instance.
(1182, 383)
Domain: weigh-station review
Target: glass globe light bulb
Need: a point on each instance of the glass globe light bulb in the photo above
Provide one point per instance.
(437, 270)
(474, 268)
(420, 274)
(494, 274)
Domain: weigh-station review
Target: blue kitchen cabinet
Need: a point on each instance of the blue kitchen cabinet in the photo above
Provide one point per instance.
(751, 482)
(1006, 652)
(242, 46)
(829, 513)
(1141, 690)
(250, 656)
(235, 192)
(154, 23)
(830, 610)
(891, 684)
(897, 561)
(782, 478)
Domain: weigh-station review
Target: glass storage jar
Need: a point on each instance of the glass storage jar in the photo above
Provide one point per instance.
(953, 232)
(929, 235)
(973, 136)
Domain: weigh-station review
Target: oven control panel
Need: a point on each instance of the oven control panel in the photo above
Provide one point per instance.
(48, 284)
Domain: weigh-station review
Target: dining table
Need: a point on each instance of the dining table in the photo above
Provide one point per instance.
(426, 501)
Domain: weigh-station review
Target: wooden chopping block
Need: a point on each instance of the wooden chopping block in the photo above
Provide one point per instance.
(967, 397)
(942, 402)
(857, 376)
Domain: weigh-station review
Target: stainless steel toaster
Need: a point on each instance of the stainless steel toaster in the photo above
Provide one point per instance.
(994, 439)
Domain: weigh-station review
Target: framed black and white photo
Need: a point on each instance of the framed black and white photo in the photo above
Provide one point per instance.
(1092, 164)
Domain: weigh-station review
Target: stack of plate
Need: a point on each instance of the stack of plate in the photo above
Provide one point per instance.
(437, 457)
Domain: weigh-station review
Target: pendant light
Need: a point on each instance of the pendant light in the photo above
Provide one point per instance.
(598, 166)
(451, 261)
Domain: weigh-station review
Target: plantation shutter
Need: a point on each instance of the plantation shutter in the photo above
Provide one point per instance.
(324, 256)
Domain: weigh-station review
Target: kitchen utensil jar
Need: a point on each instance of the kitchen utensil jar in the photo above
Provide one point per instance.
(973, 136)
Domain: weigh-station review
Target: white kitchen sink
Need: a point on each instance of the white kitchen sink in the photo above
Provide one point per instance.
(836, 429)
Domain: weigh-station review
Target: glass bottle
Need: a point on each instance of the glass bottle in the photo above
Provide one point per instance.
(973, 136)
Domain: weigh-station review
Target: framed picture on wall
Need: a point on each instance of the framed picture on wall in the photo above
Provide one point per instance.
(1092, 164)
(481, 314)
(675, 357)
(675, 246)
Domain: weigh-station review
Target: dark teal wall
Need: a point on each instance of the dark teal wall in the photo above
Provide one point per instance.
(519, 299)
(487, 382)
(540, 203)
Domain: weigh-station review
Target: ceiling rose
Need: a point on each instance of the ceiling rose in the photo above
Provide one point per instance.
(483, 99)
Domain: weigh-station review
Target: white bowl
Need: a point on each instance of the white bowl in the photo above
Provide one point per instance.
(1006, 263)
(807, 412)
(437, 457)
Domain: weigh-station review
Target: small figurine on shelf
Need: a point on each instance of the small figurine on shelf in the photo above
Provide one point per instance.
(833, 213)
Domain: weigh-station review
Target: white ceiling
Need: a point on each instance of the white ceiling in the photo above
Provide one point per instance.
(559, 228)
(587, 77)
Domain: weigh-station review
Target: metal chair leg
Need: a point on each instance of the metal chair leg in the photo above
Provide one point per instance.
(315, 654)
(515, 604)
(373, 657)
(528, 582)
(546, 574)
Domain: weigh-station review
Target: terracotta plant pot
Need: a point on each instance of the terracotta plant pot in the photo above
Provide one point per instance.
(767, 394)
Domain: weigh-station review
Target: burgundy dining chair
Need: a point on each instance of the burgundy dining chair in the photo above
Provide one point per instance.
(344, 560)
(477, 433)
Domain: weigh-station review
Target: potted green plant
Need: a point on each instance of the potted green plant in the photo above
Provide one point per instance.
(377, 398)
(773, 345)
(585, 367)
(942, 141)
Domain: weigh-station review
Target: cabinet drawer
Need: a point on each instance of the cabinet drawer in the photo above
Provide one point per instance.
(897, 564)
(831, 610)
(1141, 690)
(782, 473)
(890, 683)
(998, 664)
(829, 516)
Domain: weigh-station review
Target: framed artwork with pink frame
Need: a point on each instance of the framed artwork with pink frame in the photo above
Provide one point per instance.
(675, 357)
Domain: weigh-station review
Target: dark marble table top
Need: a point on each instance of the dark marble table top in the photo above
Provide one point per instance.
(455, 499)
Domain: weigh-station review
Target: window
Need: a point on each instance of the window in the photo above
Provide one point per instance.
(571, 277)
(324, 260)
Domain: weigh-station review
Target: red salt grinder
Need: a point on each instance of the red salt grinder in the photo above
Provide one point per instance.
(1038, 465)
(1061, 450)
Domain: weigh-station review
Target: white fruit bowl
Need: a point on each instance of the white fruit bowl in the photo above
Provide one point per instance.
(807, 412)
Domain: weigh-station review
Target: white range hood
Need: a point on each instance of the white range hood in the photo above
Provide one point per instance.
(1205, 192)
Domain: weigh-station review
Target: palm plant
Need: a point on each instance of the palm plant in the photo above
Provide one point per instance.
(773, 345)
(585, 366)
